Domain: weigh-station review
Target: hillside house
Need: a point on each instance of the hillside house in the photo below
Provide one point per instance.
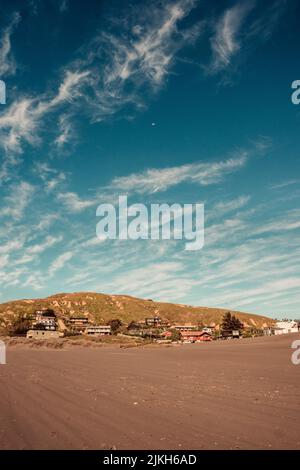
(153, 321)
(285, 327)
(184, 327)
(99, 330)
(47, 318)
(166, 334)
(136, 332)
(232, 334)
(135, 326)
(208, 329)
(195, 336)
(43, 334)
(268, 331)
(78, 323)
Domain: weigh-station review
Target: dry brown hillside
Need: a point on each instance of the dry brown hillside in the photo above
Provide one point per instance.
(100, 308)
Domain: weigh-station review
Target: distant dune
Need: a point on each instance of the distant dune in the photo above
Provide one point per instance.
(101, 308)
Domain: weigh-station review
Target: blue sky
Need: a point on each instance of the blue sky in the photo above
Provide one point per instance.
(182, 101)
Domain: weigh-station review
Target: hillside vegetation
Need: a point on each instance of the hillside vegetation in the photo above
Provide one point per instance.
(100, 308)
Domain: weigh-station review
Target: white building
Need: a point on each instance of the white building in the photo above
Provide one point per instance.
(284, 327)
(98, 330)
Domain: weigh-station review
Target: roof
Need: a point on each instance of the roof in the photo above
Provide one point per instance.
(195, 333)
(79, 318)
(96, 327)
(47, 314)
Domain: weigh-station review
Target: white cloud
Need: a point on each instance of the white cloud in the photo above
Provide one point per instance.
(73, 202)
(230, 206)
(240, 25)
(139, 57)
(33, 282)
(162, 279)
(7, 62)
(11, 246)
(284, 184)
(50, 176)
(17, 201)
(60, 262)
(21, 122)
(226, 43)
(41, 247)
(155, 180)
(66, 133)
(64, 6)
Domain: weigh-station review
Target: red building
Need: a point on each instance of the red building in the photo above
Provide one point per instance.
(195, 336)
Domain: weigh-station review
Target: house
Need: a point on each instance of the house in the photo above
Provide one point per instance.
(195, 336)
(165, 324)
(285, 327)
(133, 326)
(153, 321)
(268, 331)
(184, 327)
(208, 329)
(47, 318)
(101, 330)
(78, 323)
(43, 334)
(166, 334)
(231, 334)
(136, 332)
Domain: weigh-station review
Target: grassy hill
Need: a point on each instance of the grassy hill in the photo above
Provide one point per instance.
(100, 308)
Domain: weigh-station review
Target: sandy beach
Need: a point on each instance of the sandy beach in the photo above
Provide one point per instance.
(239, 394)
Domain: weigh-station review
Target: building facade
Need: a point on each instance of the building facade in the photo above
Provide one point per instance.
(99, 330)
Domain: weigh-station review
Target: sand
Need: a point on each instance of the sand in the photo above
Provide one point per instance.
(239, 394)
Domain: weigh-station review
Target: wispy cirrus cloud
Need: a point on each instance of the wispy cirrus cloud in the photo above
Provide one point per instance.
(18, 199)
(74, 203)
(226, 41)
(203, 173)
(51, 177)
(154, 180)
(60, 262)
(66, 131)
(21, 122)
(63, 6)
(7, 61)
(225, 207)
(240, 25)
(32, 252)
(111, 73)
(140, 58)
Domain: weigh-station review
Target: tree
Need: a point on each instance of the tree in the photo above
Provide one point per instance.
(229, 323)
(176, 335)
(133, 326)
(115, 325)
(226, 325)
(252, 331)
(19, 325)
(237, 324)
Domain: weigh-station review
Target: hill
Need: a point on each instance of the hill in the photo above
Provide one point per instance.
(100, 308)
